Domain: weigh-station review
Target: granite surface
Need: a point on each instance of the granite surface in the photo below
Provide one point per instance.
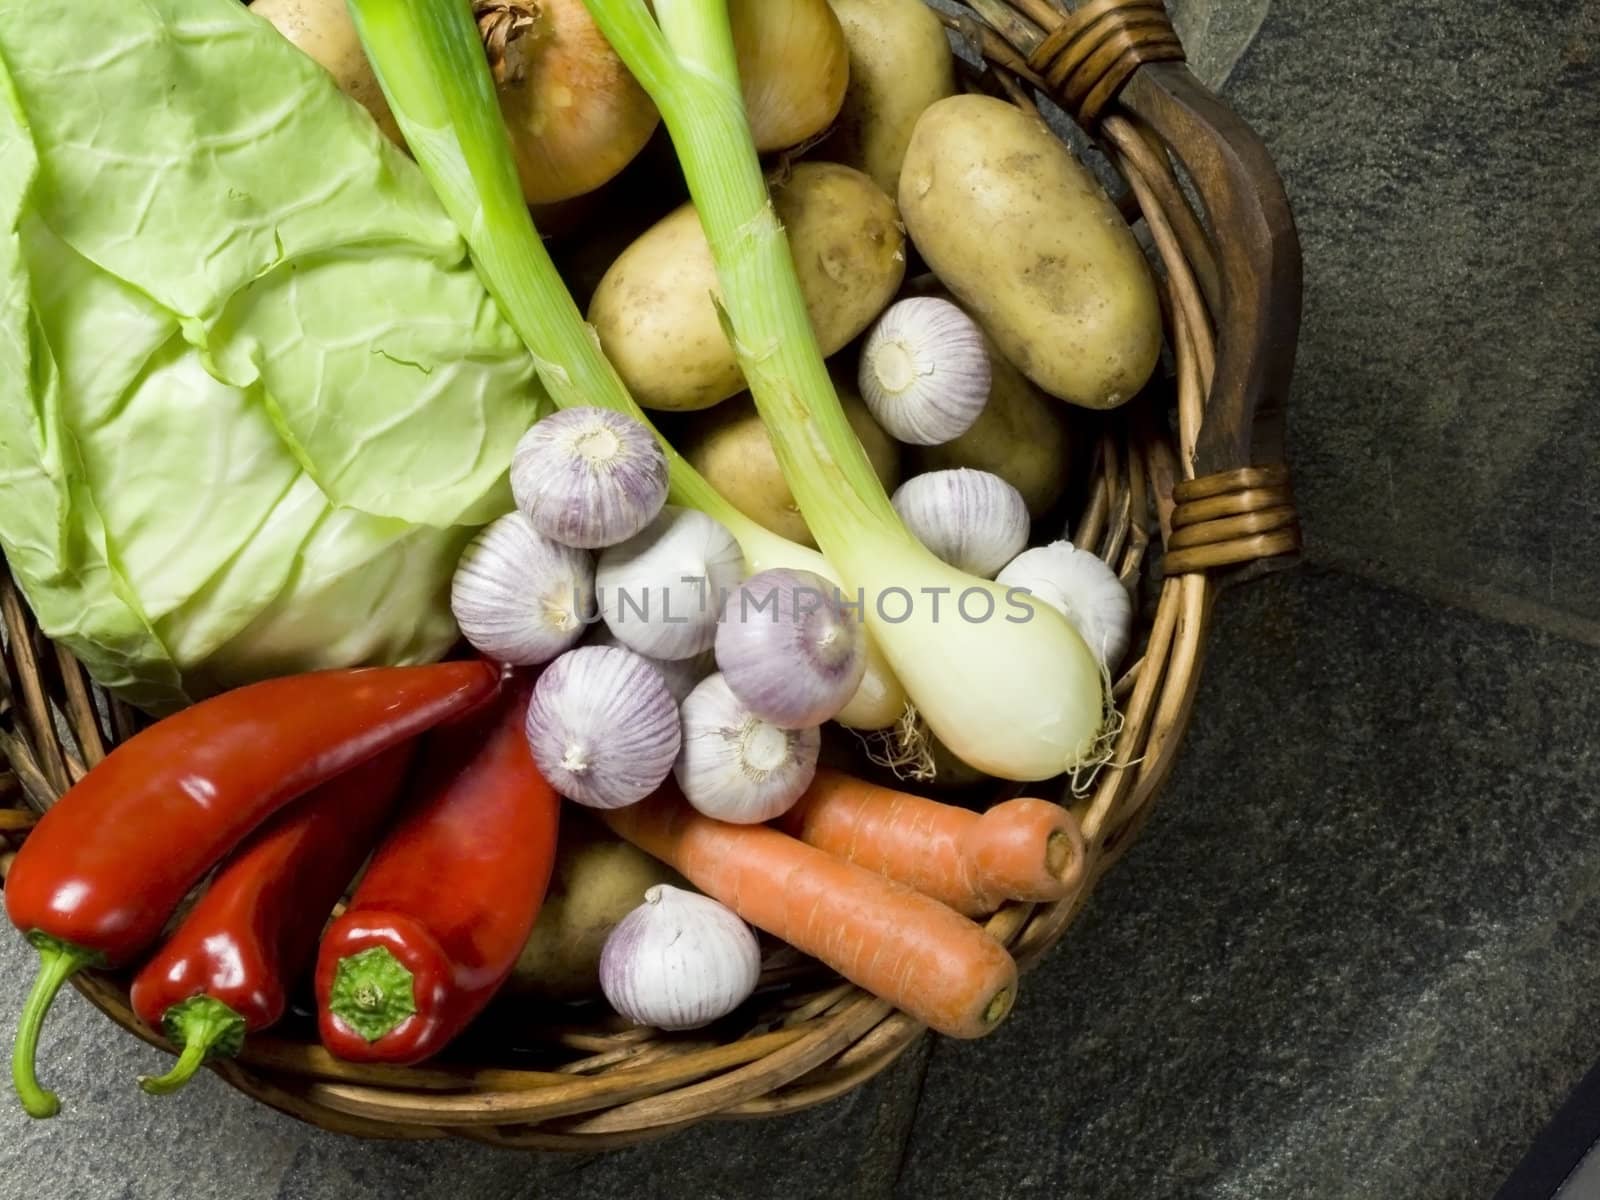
(1440, 160)
(1354, 954)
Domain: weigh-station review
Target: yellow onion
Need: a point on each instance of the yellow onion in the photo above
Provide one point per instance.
(794, 66)
(576, 115)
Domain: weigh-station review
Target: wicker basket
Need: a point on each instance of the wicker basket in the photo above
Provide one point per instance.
(1185, 491)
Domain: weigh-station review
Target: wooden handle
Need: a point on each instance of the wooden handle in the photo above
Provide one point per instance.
(1231, 523)
(1258, 257)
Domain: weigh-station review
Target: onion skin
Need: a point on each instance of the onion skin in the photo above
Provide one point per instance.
(794, 67)
(575, 114)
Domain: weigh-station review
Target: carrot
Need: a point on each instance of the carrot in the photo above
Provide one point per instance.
(1023, 849)
(920, 956)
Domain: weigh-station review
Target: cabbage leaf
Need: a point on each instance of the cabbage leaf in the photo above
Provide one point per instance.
(253, 396)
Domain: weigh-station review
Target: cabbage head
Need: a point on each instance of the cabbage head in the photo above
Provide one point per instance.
(253, 397)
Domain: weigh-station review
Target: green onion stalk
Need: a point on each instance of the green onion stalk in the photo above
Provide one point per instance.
(428, 57)
(1004, 682)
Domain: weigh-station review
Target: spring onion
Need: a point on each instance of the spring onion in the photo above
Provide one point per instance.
(1007, 684)
(428, 57)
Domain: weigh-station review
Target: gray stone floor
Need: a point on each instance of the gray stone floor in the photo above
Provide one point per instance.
(1356, 953)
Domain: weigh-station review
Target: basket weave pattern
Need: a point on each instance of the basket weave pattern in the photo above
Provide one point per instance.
(1187, 492)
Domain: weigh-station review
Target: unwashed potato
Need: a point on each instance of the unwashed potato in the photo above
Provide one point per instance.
(793, 67)
(1023, 235)
(653, 308)
(730, 447)
(900, 63)
(1022, 435)
(598, 880)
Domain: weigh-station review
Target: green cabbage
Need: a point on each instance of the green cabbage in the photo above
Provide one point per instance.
(253, 397)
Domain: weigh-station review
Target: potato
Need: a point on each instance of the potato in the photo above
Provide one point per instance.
(900, 63)
(1023, 235)
(730, 447)
(653, 309)
(1022, 435)
(598, 880)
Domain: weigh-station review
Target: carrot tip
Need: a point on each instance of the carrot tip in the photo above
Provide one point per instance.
(999, 1005)
(1060, 857)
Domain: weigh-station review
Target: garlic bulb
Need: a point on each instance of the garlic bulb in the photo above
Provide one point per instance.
(1083, 588)
(662, 590)
(589, 477)
(679, 674)
(788, 648)
(736, 767)
(924, 371)
(975, 521)
(518, 597)
(602, 726)
(679, 961)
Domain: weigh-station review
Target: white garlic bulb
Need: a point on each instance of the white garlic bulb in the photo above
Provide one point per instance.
(602, 726)
(662, 590)
(924, 371)
(1083, 588)
(973, 520)
(788, 648)
(736, 767)
(679, 961)
(519, 597)
(679, 674)
(589, 477)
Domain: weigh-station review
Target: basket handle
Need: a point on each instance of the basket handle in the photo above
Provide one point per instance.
(1238, 513)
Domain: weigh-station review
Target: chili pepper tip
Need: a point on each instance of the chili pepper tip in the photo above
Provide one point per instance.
(203, 1028)
(58, 962)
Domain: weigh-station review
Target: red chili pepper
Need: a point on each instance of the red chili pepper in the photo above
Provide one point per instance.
(225, 970)
(107, 866)
(449, 898)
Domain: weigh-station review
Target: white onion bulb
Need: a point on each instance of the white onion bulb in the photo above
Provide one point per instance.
(736, 767)
(1081, 587)
(602, 726)
(662, 590)
(973, 520)
(679, 961)
(924, 371)
(788, 648)
(589, 477)
(519, 597)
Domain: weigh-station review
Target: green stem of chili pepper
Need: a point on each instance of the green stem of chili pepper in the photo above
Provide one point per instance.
(203, 1028)
(58, 962)
(373, 993)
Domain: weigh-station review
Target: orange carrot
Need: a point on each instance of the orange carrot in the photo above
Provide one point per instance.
(1023, 849)
(896, 943)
